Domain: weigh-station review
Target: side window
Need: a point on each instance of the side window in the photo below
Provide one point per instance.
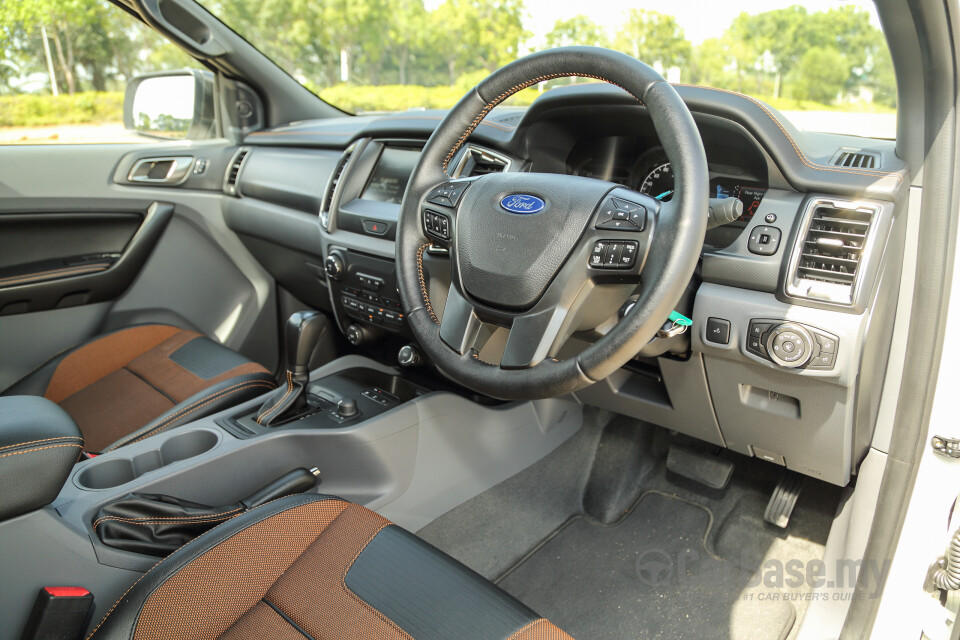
(65, 68)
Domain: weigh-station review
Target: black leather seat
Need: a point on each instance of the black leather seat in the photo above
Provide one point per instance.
(136, 382)
(311, 566)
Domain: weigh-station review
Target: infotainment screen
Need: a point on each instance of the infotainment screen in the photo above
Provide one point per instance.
(389, 178)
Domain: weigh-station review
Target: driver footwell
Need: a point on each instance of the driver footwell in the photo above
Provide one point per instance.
(649, 575)
(601, 538)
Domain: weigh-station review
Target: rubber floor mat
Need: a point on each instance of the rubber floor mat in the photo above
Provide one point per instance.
(647, 576)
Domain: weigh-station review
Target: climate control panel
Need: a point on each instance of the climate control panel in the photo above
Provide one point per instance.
(792, 345)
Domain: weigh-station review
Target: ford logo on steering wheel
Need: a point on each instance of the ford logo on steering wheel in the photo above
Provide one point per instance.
(522, 204)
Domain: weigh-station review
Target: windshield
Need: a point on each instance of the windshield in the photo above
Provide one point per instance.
(824, 64)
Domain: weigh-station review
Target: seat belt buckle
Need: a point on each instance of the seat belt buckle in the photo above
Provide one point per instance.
(62, 613)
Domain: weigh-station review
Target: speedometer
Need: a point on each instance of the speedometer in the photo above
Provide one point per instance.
(659, 182)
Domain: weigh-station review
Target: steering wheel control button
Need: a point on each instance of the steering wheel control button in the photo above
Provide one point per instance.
(764, 240)
(614, 254)
(770, 218)
(436, 224)
(621, 215)
(448, 195)
(718, 331)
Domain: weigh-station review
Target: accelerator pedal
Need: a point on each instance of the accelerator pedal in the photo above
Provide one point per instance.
(706, 469)
(784, 499)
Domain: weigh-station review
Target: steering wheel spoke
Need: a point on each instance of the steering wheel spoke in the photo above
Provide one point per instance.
(460, 325)
(532, 338)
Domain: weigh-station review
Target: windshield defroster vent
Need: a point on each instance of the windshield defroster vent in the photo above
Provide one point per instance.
(233, 171)
(829, 260)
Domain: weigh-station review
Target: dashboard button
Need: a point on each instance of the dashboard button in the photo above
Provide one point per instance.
(764, 240)
(827, 344)
(375, 227)
(718, 331)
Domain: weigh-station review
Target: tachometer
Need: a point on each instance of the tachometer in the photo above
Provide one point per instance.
(659, 182)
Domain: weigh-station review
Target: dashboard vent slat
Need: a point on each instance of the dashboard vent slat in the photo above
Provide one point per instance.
(332, 185)
(832, 250)
(856, 158)
(233, 172)
(475, 162)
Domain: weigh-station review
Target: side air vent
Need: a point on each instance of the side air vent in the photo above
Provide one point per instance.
(856, 158)
(829, 261)
(475, 161)
(332, 185)
(233, 171)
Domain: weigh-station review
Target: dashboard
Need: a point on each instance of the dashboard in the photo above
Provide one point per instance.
(624, 160)
(787, 340)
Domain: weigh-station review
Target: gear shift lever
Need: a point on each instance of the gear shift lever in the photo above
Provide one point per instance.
(302, 334)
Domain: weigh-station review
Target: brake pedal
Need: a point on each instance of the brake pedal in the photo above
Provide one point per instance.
(784, 499)
(707, 470)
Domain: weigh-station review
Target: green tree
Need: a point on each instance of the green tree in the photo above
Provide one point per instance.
(653, 37)
(477, 34)
(578, 30)
(405, 35)
(820, 75)
(777, 37)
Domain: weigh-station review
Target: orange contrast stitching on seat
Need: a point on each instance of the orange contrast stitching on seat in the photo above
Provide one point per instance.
(870, 173)
(423, 283)
(506, 94)
(184, 411)
(202, 535)
(54, 273)
(279, 404)
(121, 519)
(58, 438)
(53, 446)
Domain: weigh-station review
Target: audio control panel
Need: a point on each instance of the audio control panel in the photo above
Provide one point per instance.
(792, 345)
(364, 290)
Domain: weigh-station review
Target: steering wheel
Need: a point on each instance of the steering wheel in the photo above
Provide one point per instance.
(547, 255)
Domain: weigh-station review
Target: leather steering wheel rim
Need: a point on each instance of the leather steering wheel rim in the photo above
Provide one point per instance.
(673, 256)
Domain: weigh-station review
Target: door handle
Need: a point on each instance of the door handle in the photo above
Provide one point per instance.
(165, 170)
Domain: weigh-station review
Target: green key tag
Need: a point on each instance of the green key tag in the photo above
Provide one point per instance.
(680, 319)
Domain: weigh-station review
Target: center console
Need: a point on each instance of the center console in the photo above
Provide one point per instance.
(359, 223)
(399, 451)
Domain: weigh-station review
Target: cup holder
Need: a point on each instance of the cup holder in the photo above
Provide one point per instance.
(117, 471)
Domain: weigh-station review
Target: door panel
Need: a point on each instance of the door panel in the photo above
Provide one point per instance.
(177, 261)
(58, 260)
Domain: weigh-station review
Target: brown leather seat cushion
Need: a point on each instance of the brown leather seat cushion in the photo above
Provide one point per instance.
(121, 381)
(293, 574)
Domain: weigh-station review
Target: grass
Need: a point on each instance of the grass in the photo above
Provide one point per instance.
(90, 107)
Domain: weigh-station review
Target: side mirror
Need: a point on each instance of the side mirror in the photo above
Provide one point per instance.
(172, 105)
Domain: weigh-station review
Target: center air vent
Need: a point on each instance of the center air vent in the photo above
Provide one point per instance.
(233, 171)
(332, 185)
(476, 161)
(829, 262)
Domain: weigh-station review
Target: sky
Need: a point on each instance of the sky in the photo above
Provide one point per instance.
(700, 19)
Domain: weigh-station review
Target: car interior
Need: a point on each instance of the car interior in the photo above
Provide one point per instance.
(597, 365)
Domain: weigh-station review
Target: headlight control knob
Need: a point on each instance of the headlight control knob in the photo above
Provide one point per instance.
(790, 345)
